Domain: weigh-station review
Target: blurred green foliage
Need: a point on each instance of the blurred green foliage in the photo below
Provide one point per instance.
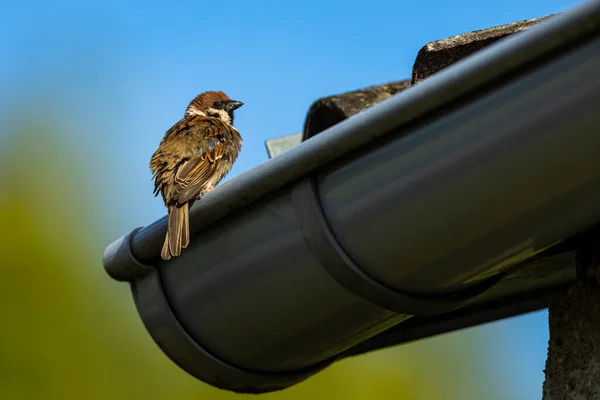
(69, 332)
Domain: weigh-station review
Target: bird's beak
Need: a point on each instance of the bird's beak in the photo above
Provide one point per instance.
(234, 105)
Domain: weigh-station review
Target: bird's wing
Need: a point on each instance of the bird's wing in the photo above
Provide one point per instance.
(195, 175)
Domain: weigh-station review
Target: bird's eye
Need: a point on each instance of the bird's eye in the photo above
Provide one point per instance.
(218, 104)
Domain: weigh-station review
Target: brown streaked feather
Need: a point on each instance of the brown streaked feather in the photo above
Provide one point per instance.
(165, 254)
(202, 144)
(175, 225)
(195, 180)
(185, 236)
(178, 232)
(193, 156)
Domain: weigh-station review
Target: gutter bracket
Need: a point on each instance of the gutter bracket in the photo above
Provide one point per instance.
(331, 255)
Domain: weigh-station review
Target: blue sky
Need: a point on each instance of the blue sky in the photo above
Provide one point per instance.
(113, 76)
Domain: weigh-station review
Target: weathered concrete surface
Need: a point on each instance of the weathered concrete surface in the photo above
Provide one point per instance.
(328, 111)
(438, 55)
(433, 57)
(573, 364)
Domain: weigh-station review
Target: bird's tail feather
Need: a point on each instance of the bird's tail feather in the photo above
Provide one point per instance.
(178, 232)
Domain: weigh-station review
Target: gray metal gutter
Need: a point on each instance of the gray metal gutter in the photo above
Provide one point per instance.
(426, 203)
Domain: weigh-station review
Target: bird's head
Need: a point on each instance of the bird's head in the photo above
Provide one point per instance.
(214, 104)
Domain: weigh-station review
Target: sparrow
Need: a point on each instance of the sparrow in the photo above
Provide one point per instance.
(192, 157)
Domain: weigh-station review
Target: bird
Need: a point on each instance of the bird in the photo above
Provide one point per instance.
(191, 159)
